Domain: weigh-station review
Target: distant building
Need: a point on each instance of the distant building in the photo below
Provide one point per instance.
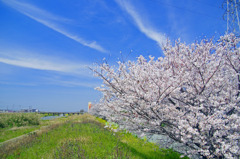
(35, 110)
(6, 111)
(24, 110)
(29, 110)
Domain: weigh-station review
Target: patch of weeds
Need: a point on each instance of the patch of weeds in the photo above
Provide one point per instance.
(69, 149)
(18, 119)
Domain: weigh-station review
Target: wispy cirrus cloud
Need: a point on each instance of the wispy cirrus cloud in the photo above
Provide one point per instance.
(17, 83)
(50, 21)
(145, 28)
(72, 82)
(41, 62)
(58, 71)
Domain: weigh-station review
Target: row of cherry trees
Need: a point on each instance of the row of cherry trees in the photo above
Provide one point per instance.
(191, 94)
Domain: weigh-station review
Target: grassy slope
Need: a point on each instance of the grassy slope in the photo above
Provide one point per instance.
(9, 133)
(84, 137)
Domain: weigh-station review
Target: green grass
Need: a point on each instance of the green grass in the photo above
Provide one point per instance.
(9, 133)
(16, 124)
(18, 119)
(83, 137)
(15, 131)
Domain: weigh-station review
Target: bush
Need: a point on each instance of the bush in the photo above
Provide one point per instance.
(2, 123)
(19, 119)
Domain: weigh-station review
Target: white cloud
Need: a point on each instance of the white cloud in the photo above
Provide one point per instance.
(17, 83)
(72, 83)
(30, 9)
(50, 21)
(40, 62)
(145, 28)
(77, 83)
(55, 81)
(61, 72)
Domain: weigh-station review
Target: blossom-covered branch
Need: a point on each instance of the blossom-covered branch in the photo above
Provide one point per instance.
(191, 95)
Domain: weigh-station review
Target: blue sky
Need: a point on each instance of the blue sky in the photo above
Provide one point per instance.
(47, 46)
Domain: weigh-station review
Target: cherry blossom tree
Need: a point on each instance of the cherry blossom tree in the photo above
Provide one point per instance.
(192, 94)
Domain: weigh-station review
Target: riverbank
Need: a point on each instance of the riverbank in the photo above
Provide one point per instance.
(82, 135)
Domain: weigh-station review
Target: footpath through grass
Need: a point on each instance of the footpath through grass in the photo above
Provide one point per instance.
(9, 133)
(16, 124)
(83, 137)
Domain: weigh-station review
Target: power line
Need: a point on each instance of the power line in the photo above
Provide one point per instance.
(208, 4)
(189, 10)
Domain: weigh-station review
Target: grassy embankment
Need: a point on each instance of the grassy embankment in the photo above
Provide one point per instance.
(17, 124)
(81, 137)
